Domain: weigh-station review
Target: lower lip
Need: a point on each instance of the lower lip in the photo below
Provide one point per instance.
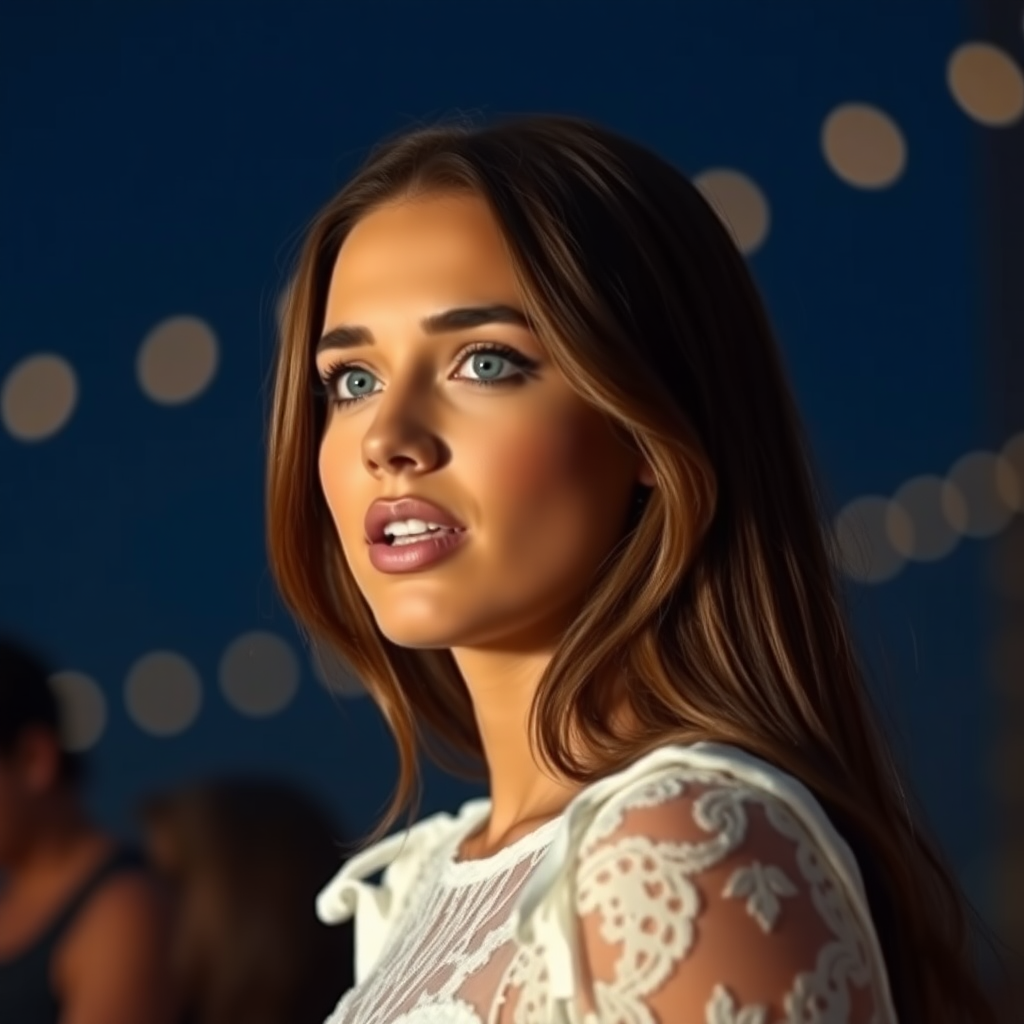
(413, 557)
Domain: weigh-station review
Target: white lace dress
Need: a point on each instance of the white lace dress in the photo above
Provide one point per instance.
(698, 885)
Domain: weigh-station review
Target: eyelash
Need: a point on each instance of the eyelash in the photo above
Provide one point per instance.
(329, 380)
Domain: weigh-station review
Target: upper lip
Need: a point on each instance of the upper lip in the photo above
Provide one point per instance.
(384, 511)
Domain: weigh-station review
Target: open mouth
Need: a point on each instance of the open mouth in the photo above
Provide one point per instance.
(412, 550)
(410, 522)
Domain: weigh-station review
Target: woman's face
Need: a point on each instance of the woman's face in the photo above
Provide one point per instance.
(440, 392)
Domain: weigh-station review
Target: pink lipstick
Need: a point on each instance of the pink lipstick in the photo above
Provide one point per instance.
(409, 534)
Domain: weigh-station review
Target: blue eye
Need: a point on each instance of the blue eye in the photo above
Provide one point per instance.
(358, 382)
(488, 365)
(346, 384)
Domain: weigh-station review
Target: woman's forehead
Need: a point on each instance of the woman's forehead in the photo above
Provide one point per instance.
(427, 243)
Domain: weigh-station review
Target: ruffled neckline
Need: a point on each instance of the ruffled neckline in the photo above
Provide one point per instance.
(458, 872)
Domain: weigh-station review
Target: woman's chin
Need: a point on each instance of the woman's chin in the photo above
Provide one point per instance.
(417, 634)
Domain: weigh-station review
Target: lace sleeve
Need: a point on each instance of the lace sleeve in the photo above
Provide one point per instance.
(709, 901)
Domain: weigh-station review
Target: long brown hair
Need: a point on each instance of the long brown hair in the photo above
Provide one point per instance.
(718, 617)
(245, 859)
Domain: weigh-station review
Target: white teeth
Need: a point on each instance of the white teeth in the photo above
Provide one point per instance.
(402, 528)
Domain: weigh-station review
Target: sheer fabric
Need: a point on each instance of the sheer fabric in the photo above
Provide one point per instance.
(700, 884)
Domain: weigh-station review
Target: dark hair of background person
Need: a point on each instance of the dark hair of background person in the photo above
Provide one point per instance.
(719, 615)
(27, 701)
(245, 860)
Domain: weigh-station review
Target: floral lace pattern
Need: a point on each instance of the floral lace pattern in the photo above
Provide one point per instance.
(694, 890)
(645, 879)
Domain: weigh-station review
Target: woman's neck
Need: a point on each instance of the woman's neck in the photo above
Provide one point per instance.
(502, 685)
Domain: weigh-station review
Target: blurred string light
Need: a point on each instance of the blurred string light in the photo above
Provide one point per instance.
(876, 537)
(163, 693)
(986, 84)
(177, 360)
(740, 205)
(83, 709)
(259, 674)
(863, 146)
(38, 397)
(925, 520)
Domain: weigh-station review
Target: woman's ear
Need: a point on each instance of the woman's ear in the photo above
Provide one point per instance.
(645, 475)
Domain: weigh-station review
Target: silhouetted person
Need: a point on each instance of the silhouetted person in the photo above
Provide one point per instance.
(246, 860)
(82, 925)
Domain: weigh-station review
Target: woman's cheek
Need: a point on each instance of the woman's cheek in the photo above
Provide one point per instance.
(342, 478)
(533, 460)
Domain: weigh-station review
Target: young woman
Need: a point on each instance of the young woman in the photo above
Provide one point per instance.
(536, 473)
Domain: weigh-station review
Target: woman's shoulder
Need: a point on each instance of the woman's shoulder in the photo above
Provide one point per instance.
(690, 792)
(691, 841)
(696, 763)
(677, 774)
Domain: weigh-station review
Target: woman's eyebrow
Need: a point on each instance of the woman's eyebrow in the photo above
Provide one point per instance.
(460, 319)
